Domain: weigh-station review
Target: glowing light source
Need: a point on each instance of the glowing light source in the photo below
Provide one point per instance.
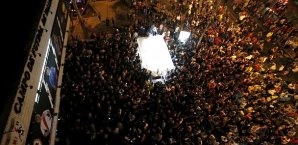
(183, 36)
(154, 55)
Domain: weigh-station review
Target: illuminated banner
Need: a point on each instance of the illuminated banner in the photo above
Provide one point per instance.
(41, 122)
(42, 117)
(18, 122)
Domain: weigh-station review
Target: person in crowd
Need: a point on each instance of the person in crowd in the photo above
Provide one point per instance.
(222, 90)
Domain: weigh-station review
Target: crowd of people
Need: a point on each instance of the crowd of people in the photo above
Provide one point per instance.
(221, 91)
(273, 22)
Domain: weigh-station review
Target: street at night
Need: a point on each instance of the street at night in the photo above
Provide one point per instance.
(159, 72)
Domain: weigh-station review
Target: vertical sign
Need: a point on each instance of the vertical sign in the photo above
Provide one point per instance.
(59, 29)
(19, 120)
(41, 121)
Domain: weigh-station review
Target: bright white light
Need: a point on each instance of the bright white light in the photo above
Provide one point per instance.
(37, 98)
(183, 36)
(154, 54)
(42, 71)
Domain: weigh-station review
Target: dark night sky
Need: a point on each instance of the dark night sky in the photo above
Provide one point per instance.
(18, 22)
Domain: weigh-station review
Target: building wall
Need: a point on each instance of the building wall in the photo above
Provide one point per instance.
(38, 81)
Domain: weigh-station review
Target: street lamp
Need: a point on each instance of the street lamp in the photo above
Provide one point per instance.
(107, 19)
(74, 2)
(107, 9)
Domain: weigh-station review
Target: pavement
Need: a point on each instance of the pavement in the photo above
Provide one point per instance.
(95, 18)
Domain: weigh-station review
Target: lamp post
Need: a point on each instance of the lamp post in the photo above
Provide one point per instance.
(107, 9)
(74, 2)
(107, 18)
